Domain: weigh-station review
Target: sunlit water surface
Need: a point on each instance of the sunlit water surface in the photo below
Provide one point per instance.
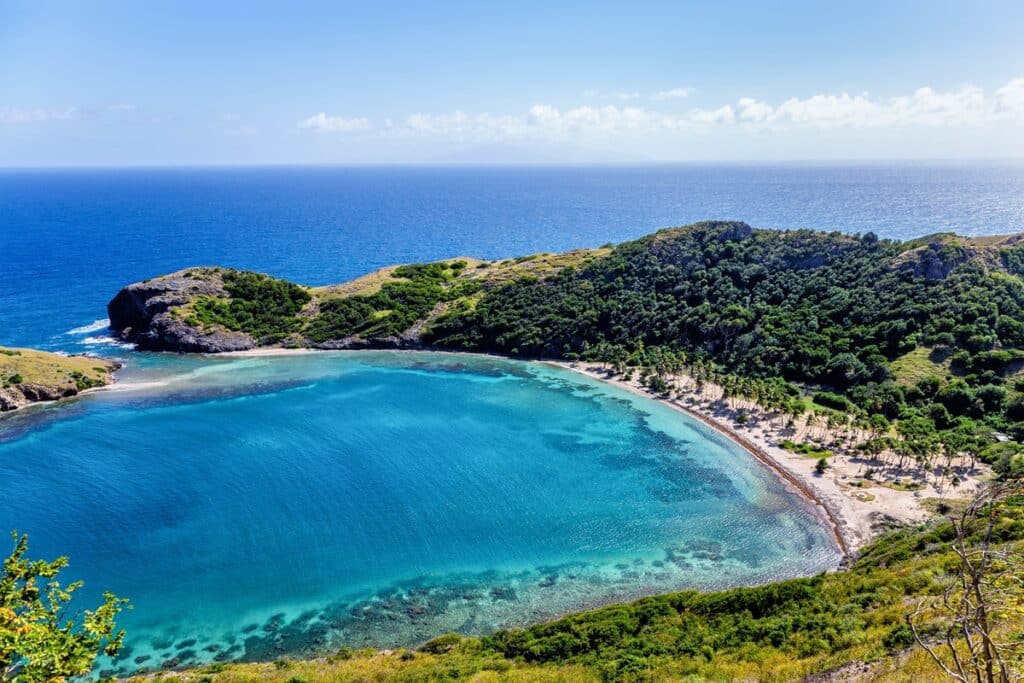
(257, 507)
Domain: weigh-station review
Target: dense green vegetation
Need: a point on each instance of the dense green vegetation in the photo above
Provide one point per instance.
(802, 305)
(261, 306)
(396, 307)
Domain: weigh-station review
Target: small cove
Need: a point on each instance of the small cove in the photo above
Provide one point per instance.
(259, 507)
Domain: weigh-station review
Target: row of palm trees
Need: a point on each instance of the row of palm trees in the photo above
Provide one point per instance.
(774, 402)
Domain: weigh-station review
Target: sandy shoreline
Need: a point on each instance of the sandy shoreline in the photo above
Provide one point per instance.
(273, 351)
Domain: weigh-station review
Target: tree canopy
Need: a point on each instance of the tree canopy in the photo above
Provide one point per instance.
(38, 641)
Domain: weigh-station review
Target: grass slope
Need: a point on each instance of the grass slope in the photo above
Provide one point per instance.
(28, 366)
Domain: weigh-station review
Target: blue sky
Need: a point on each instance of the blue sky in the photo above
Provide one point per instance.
(111, 83)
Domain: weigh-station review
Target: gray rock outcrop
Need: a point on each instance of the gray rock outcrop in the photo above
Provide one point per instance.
(141, 314)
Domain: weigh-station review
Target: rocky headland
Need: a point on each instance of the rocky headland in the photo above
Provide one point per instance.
(217, 310)
(145, 313)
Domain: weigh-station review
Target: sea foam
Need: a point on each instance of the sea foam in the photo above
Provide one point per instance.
(106, 341)
(94, 326)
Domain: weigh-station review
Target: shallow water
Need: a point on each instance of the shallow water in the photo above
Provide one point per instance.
(255, 507)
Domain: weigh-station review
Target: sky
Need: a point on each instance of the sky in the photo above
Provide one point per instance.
(180, 83)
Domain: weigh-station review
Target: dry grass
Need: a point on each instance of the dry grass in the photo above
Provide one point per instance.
(364, 285)
(50, 369)
(490, 273)
(991, 240)
(383, 666)
(537, 265)
(922, 362)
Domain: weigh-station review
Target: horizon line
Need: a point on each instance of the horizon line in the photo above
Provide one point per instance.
(518, 164)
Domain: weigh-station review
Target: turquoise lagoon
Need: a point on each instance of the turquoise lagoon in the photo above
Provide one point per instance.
(255, 507)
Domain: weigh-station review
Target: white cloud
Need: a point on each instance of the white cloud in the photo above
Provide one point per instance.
(925, 106)
(322, 123)
(752, 110)
(122, 107)
(542, 114)
(1010, 98)
(627, 96)
(724, 114)
(9, 115)
(672, 94)
(541, 121)
(459, 124)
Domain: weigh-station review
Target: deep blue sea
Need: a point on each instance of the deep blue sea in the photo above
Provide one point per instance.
(257, 507)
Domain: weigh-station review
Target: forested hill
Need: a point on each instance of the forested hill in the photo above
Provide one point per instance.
(804, 305)
(934, 325)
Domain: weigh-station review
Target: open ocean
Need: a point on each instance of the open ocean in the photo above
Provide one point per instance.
(257, 507)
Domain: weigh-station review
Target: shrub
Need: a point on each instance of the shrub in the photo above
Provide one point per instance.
(396, 306)
(833, 401)
(898, 638)
(83, 382)
(341, 654)
(261, 306)
(441, 644)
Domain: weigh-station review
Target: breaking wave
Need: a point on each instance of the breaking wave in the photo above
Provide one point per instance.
(94, 326)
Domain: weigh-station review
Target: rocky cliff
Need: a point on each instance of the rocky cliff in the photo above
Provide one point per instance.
(148, 314)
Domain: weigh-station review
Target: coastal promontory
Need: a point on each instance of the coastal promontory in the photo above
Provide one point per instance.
(30, 376)
(214, 309)
(826, 307)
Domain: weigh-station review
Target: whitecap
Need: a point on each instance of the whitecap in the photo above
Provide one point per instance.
(106, 341)
(94, 326)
